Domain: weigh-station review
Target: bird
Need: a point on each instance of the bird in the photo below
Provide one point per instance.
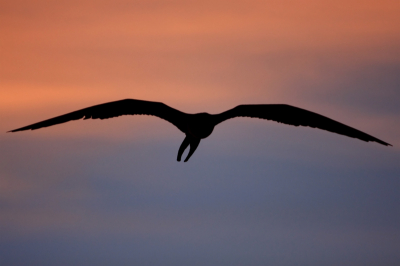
(200, 125)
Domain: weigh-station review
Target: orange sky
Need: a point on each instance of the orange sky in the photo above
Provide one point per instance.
(57, 57)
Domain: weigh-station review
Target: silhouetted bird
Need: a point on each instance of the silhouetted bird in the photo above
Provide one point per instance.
(200, 126)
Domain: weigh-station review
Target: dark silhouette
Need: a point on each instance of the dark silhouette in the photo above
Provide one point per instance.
(200, 126)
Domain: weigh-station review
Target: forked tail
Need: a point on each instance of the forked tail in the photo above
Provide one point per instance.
(193, 142)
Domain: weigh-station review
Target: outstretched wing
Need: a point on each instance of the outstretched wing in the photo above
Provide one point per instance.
(114, 109)
(294, 116)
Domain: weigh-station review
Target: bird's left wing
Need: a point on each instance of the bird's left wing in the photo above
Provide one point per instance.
(114, 109)
(294, 116)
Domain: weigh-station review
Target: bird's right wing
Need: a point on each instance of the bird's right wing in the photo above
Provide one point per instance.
(114, 109)
(294, 116)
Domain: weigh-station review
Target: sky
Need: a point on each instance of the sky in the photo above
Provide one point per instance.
(255, 192)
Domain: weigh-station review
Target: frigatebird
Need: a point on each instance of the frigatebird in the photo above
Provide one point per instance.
(200, 126)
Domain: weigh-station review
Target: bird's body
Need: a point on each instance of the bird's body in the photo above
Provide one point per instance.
(200, 126)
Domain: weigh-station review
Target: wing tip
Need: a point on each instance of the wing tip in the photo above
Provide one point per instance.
(15, 130)
(382, 142)
(21, 129)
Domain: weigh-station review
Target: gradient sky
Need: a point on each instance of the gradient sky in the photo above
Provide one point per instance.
(255, 192)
